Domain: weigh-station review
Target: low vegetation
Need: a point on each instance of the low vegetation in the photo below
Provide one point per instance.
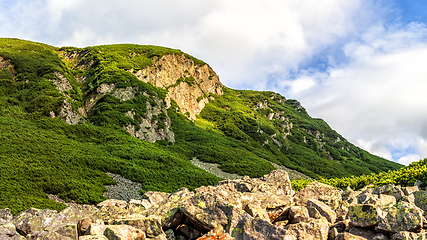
(416, 172)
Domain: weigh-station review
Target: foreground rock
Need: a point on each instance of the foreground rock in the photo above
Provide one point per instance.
(264, 208)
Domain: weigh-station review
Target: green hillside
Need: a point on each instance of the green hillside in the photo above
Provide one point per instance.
(243, 131)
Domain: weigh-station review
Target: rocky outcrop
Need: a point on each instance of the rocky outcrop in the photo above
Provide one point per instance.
(264, 208)
(190, 85)
(6, 64)
(152, 127)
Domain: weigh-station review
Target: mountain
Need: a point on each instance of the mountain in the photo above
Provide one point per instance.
(69, 115)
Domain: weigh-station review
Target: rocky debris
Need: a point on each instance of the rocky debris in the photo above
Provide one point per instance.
(247, 208)
(125, 189)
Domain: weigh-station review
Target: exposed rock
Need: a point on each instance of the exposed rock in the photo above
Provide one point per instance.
(367, 233)
(391, 189)
(401, 217)
(364, 215)
(123, 232)
(348, 236)
(264, 208)
(410, 190)
(298, 214)
(8, 231)
(323, 209)
(68, 113)
(319, 191)
(315, 228)
(408, 236)
(190, 97)
(5, 215)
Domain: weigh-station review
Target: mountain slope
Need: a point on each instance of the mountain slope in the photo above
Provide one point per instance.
(68, 115)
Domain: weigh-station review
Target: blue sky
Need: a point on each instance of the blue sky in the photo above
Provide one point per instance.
(359, 64)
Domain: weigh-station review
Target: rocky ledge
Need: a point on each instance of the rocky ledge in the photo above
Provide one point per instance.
(264, 208)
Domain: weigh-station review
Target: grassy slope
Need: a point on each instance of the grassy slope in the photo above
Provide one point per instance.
(234, 116)
(41, 154)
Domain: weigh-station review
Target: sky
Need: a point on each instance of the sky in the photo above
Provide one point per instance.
(359, 64)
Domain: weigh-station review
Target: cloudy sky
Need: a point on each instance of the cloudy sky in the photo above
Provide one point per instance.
(359, 64)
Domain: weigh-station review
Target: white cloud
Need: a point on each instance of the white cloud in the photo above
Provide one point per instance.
(408, 159)
(377, 99)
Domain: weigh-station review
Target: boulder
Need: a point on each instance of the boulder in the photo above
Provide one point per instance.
(151, 225)
(410, 190)
(258, 229)
(367, 233)
(155, 197)
(5, 215)
(319, 191)
(390, 189)
(298, 214)
(401, 217)
(323, 209)
(34, 220)
(314, 229)
(123, 232)
(8, 231)
(348, 236)
(216, 233)
(93, 237)
(364, 215)
(408, 236)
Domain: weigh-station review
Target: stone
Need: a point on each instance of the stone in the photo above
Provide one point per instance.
(170, 235)
(8, 231)
(410, 190)
(96, 229)
(323, 209)
(34, 220)
(348, 236)
(151, 225)
(113, 202)
(82, 226)
(401, 217)
(298, 214)
(63, 231)
(255, 210)
(5, 215)
(380, 236)
(319, 191)
(408, 236)
(216, 233)
(390, 189)
(341, 226)
(279, 179)
(315, 228)
(364, 215)
(258, 229)
(122, 232)
(367, 233)
(314, 213)
(93, 237)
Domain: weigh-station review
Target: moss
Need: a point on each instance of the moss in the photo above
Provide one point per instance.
(201, 204)
(366, 215)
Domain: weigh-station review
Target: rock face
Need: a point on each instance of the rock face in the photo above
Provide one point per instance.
(264, 208)
(190, 85)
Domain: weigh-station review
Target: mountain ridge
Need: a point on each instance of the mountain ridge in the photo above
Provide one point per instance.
(144, 112)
